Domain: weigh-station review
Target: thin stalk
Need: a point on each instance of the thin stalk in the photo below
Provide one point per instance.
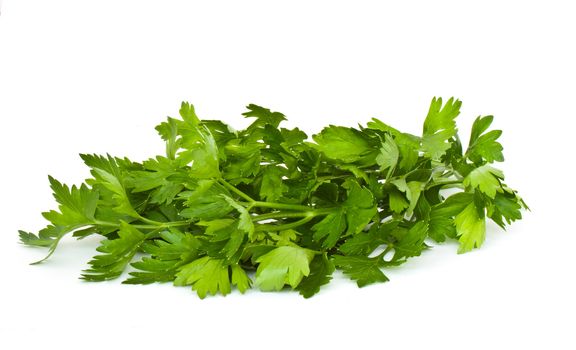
(157, 225)
(444, 183)
(288, 226)
(235, 190)
(279, 206)
(291, 214)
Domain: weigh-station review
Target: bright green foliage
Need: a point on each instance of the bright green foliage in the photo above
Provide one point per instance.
(486, 179)
(388, 156)
(117, 254)
(483, 146)
(346, 145)
(240, 279)
(206, 276)
(267, 207)
(363, 270)
(321, 269)
(440, 127)
(283, 265)
(471, 228)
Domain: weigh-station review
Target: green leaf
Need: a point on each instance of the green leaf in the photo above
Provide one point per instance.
(263, 117)
(365, 243)
(45, 238)
(243, 159)
(162, 175)
(283, 265)
(152, 270)
(359, 206)
(361, 269)
(484, 147)
(206, 276)
(188, 114)
(412, 244)
(272, 187)
(174, 249)
(173, 245)
(117, 254)
(397, 201)
(441, 221)
(199, 149)
(408, 144)
(471, 229)
(440, 127)
(486, 179)
(388, 156)
(412, 191)
(506, 206)
(330, 227)
(245, 222)
(347, 145)
(206, 201)
(240, 279)
(441, 117)
(436, 145)
(168, 130)
(77, 206)
(321, 269)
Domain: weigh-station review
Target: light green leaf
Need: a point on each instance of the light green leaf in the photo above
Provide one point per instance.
(439, 127)
(441, 117)
(240, 279)
(388, 156)
(206, 276)
(283, 265)
(345, 144)
(484, 147)
(471, 229)
(486, 179)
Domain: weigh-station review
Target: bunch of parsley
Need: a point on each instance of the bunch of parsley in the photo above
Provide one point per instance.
(264, 206)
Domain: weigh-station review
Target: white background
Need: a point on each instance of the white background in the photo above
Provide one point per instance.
(97, 76)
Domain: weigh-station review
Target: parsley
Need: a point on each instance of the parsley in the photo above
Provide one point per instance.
(264, 207)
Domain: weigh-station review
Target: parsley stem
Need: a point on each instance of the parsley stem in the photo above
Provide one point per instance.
(444, 183)
(280, 206)
(157, 225)
(235, 190)
(285, 226)
(291, 214)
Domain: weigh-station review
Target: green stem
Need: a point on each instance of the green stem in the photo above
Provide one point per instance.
(235, 190)
(279, 206)
(290, 214)
(285, 226)
(156, 225)
(444, 183)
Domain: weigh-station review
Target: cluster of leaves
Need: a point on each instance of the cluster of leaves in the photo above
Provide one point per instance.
(266, 207)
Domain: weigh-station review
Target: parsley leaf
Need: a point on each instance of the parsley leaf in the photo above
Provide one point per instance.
(283, 265)
(471, 228)
(483, 146)
(206, 276)
(362, 269)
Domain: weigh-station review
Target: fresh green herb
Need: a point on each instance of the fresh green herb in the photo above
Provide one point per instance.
(263, 206)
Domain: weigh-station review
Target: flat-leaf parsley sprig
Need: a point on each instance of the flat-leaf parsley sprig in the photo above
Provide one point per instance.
(266, 206)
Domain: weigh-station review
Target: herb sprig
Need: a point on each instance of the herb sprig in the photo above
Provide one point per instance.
(266, 206)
